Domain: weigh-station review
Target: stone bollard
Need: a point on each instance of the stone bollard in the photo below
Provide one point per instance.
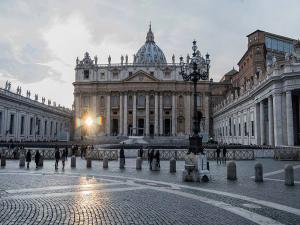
(231, 171)
(41, 161)
(139, 162)
(258, 172)
(88, 162)
(22, 161)
(73, 161)
(122, 163)
(289, 175)
(105, 162)
(172, 165)
(3, 160)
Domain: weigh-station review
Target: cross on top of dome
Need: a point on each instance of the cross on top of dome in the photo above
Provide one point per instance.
(150, 35)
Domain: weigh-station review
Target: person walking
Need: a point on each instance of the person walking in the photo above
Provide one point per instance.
(122, 153)
(218, 151)
(37, 158)
(57, 157)
(28, 158)
(141, 152)
(63, 158)
(224, 154)
(66, 152)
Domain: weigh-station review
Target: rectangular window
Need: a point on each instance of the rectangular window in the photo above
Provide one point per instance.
(11, 123)
(38, 125)
(274, 44)
(252, 128)
(239, 129)
(31, 126)
(0, 122)
(85, 101)
(55, 128)
(245, 129)
(268, 42)
(51, 125)
(22, 124)
(230, 134)
(45, 128)
(86, 74)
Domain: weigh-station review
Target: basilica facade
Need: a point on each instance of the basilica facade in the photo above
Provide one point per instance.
(147, 97)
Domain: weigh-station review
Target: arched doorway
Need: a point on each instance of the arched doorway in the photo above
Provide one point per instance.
(167, 127)
(151, 130)
(115, 127)
(140, 127)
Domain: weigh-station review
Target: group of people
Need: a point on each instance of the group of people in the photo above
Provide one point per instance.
(218, 151)
(37, 158)
(153, 154)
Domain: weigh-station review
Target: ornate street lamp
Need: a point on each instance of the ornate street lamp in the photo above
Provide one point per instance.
(195, 70)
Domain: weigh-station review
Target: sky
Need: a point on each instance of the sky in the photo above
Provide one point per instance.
(41, 39)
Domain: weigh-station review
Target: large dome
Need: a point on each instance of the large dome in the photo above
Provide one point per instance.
(150, 53)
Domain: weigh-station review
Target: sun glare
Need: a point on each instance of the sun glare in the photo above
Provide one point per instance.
(89, 121)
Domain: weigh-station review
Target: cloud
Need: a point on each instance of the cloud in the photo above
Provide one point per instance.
(40, 40)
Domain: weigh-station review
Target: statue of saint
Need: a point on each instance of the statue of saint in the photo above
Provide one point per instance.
(126, 59)
(109, 59)
(96, 60)
(173, 59)
(77, 61)
(122, 59)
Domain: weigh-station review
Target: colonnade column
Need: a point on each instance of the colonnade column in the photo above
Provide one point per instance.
(108, 114)
(271, 123)
(173, 114)
(187, 114)
(262, 121)
(206, 111)
(125, 131)
(134, 115)
(121, 115)
(277, 119)
(156, 114)
(147, 115)
(161, 126)
(289, 118)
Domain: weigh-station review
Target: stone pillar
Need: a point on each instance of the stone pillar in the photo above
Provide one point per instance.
(125, 132)
(187, 106)
(121, 115)
(261, 123)
(277, 119)
(271, 123)
(289, 118)
(156, 115)
(94, 105)
(174, 114)
(134, 116)
(161, 125)
(257, 127)
(108, 114)
(147, 115)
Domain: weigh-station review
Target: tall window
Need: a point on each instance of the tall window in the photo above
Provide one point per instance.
(198, 100)
(51, 125)
(45, 128)
(230, 134)
(141, 100)
(86, 74)
(181, 102)
(22, 125)
(38, 125)
(11, 123)
(31, 126)
(85, 101)
(167, 101)
(55, 128)
(0, 122)
(114, 101)
(234, 128)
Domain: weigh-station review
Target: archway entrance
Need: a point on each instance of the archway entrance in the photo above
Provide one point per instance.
(115, 127)
(140, 127)
(151, 130)
(167, 127)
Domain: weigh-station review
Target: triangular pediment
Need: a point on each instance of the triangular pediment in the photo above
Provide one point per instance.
(141, 76)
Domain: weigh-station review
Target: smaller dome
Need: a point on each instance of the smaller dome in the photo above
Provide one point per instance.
(150, 53)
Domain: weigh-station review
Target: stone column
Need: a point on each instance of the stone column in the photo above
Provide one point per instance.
(289, 118)
(125, 127)
(257, 127)
(187, 106)
(271, 123)
(161, 125)
(277, 119)
(108, 114)
(156, 115)
(147, 115)
(174, 114)
(94, 105)
(134, 115)
(261, 123)
(121, 115)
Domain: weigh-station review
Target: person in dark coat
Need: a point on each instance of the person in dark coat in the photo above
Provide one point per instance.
(37, 158)
(57, 157)
(28, 157)
(66, 152)
(157, 157)
(224, 154)
(63, 158)
(218, 154)
(122, 153)
(141, 152)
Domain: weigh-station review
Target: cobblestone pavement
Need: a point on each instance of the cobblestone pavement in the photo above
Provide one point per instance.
(115, 196)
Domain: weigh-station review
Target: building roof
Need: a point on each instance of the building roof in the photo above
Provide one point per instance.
(271, 34)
